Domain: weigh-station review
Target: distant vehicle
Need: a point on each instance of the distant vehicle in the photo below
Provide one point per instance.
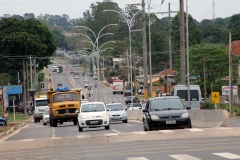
(165, 112)
(76, 76)
(71, 72)
(60, 69)
(127, 92)
(86, 80)
(117, 86)
(95, 77)
(135, 106)
(87, 85)
(75, 65)
(2, 121)
(116, 112)
(46, 117)
(129, 99)
(55, 68)
(59, 85)
(195, 95)
(87, 114)
(21, 108)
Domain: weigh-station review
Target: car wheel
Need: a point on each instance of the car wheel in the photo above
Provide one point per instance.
(125, 121)
(44, 124)
(38, 120)
(80, 129)
(54, 123)
(35, 120)
(189, 125)
(107, 127)
(149, 127)
(75, 122)
(50, 122)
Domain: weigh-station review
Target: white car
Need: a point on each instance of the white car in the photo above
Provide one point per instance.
(46, 117)
(93, 115)
(86, 80)
(117, 112)
(76, 76)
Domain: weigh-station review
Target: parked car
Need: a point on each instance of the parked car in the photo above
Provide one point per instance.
(21, 108)
(2, 121)
(46, 117)
(93, 114)
(135, 106)
(116, 112)
(165, 112)
(127, 92)
(130, 99)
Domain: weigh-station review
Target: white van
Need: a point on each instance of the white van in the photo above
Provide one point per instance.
(195, 95)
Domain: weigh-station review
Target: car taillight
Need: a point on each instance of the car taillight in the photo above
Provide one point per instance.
(201, 105)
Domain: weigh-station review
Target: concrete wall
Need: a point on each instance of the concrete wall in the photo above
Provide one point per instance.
(199, 118)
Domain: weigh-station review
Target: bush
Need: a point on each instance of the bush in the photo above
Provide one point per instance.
(223, 106)
(208, 105)
(237, 111)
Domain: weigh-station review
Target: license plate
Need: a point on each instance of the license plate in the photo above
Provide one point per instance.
(67, 114)
(93, 122)
(115, 118)
(171, 122)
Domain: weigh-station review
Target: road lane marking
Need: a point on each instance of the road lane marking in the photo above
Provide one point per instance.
(183, 157)
(53, 132)
(223, 128)
(14, 132)
(83, 136)
(167, 131)
(227, 155)
(26, 140)
(111, 134)
(137, 158)
(56, 138)
(115, 131)
(195, 130)
(140, 132)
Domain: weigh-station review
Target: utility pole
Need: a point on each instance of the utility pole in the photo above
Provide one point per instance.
(165, 79)
(31, 73)
(230, 75)
(34, 86)
(128, 69)
(170, 32)
(146, 94)
(24, 87)
(27, 79)
(204, 77)
(182, 44)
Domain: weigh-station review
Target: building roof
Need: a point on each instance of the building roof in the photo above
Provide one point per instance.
(169, 72)
(235, 48)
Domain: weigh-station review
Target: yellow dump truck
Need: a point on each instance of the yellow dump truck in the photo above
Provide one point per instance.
(63, 104)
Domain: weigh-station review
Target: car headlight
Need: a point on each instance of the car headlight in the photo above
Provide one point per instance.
(154, 117)
(83, 116)
(103, 115)
(56, 112)
(184, 115)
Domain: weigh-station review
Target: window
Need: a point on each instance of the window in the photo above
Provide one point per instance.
(65, 97)
(41, 102)
(194, 96)
(166, 104)
(92, 108)
(115, 107)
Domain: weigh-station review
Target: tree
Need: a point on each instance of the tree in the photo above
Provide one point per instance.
(195, 34)
(216, 64)
(234, 26)
(5, 78)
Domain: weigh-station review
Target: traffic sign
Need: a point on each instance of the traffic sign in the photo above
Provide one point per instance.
(215, 97)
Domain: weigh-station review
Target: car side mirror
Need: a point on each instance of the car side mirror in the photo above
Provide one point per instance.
(125, 109)
(144, 110)
(187, 107)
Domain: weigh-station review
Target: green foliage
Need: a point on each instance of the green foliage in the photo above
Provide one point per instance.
(216, 60)
(208, 105)
(237, 111)
(223, 106)
(41, 76)
(59, 38)
(5, 78)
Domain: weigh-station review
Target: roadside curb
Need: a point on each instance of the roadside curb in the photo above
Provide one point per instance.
(15, 128)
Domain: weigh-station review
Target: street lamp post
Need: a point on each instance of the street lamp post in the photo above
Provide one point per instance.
(150, 52)
(95, 46)
(130, 44)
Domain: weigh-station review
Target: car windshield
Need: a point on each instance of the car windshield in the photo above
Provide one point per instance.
(166, 104)
(92, 108)
(115, 107)
(65, 97)
(43, 102)
(137, 105)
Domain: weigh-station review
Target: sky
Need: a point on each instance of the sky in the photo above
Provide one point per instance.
(199, 9)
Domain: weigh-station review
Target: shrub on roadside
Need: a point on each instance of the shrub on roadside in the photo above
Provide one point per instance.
(223, 106)
(237, 111)
(208, 105)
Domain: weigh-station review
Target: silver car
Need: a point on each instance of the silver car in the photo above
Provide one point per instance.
(116, 112)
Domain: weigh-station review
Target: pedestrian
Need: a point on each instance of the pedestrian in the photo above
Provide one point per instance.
(5, 115)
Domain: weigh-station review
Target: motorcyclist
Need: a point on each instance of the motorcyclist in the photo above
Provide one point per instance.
(95, 85)
(83, 74)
